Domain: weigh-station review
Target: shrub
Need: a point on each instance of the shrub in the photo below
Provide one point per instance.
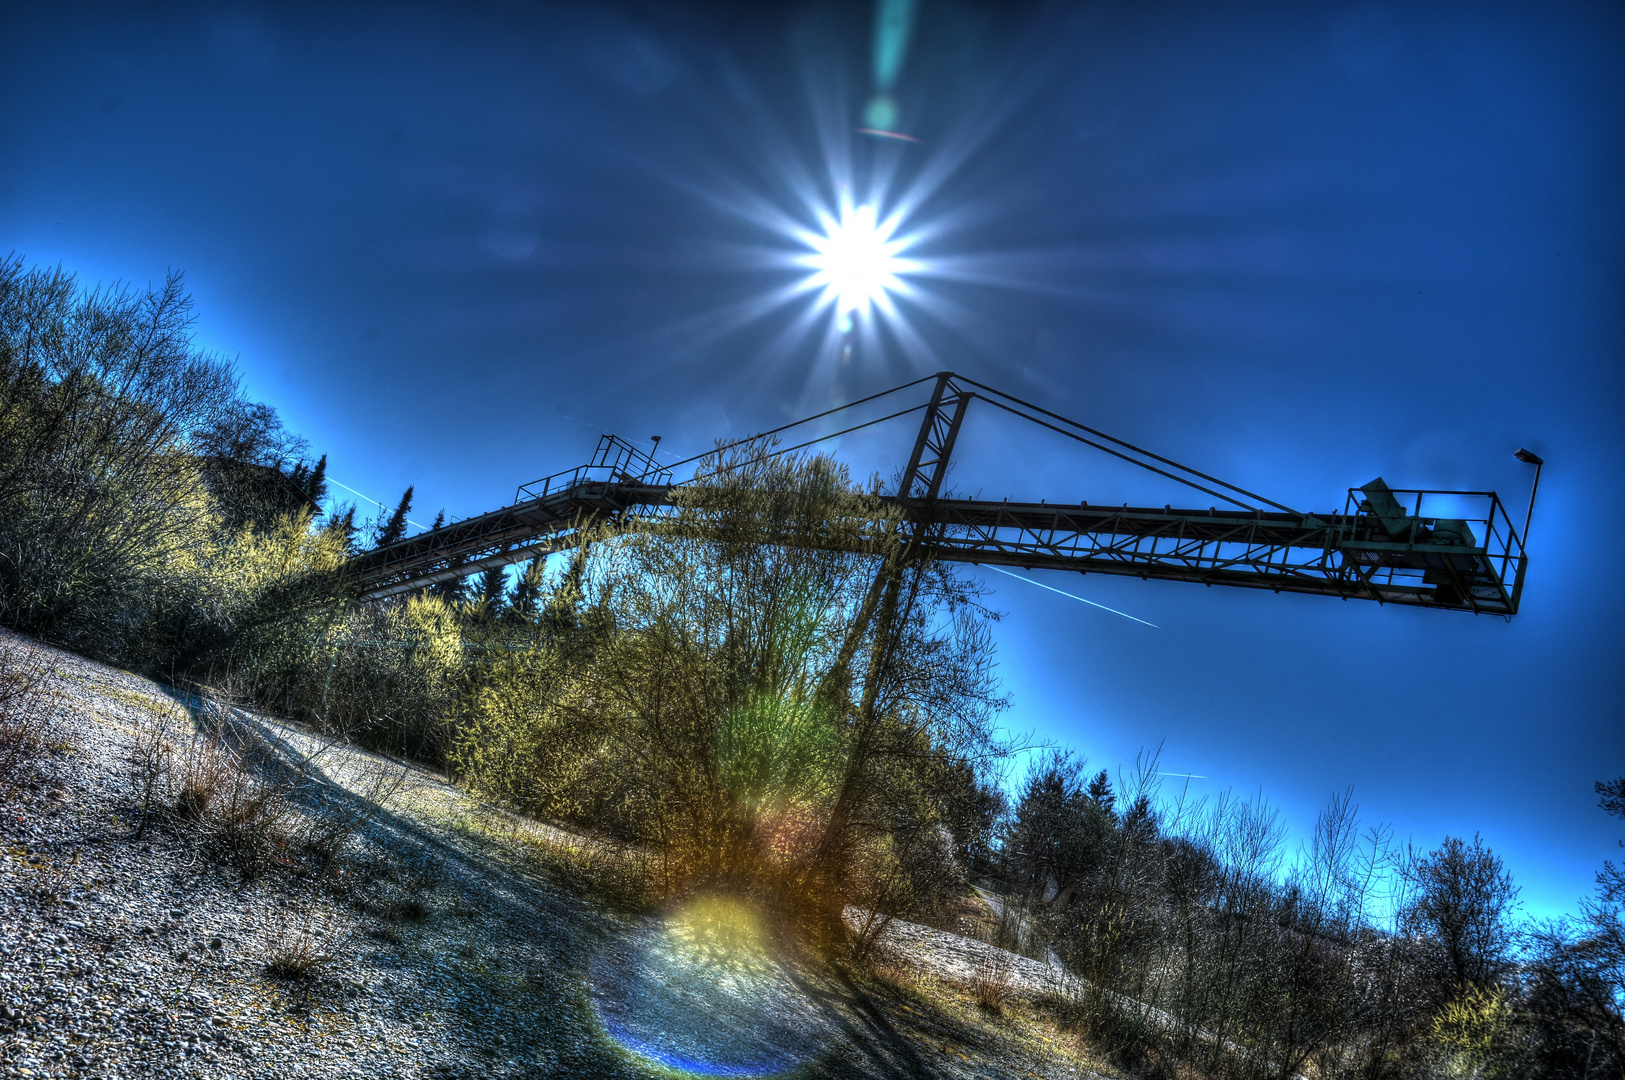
(764, 689)
(385, 675)
(113, 426)
(26, 721)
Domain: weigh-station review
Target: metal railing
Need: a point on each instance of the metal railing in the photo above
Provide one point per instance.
(616, 461)
(1462, 548)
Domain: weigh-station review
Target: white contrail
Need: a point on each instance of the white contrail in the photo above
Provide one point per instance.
(1187, 775)
(370, 499)
(1091, 603)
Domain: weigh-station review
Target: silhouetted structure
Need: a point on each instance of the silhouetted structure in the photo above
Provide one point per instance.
(1381, 546)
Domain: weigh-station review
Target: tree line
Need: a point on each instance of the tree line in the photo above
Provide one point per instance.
(1199, 945)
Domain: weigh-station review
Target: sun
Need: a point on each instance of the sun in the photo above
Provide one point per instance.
(856, 260)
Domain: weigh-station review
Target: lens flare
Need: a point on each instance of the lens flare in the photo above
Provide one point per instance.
(856, 259)
(702, 993)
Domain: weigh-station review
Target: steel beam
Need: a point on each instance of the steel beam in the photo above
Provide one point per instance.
(1330, 555)
(1355, 554)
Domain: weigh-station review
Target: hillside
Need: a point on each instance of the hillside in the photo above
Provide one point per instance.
(362, 916)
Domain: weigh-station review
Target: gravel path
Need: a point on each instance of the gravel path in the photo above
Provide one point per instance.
(454, 950)
(957, 959)
(147, 957)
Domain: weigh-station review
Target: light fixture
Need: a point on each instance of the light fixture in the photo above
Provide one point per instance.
(1529, 457)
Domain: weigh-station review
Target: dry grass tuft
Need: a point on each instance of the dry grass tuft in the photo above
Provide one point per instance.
(246, 803)
(325, 832)
(991, 982)
(151, 757)
(243, 810)
(251, 807)
(300, 943)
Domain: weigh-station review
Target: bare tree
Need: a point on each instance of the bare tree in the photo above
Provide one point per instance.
(1462, 906)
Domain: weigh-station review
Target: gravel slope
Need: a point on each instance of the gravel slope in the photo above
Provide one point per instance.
(455, 950)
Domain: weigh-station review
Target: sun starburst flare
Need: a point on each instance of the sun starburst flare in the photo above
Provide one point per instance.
(856, 260)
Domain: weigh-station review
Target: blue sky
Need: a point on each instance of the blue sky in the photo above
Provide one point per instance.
(1297, 246)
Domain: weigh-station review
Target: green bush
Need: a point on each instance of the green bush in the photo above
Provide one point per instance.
(764, 688)
(153, 516)
(120, 442)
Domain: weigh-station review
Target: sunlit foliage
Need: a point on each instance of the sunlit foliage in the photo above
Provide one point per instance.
(127, 459)
(763, 686)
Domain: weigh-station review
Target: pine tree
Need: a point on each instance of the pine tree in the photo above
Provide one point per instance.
(1100, 790)
(395, 529)
(522, 604)
(493, 586)
(1140, 821)
(342, 525)
(1612, 878)
(316, 482)
(562, 612)
(455, 589)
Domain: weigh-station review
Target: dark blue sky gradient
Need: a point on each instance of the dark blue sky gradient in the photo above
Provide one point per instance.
(1297, 246)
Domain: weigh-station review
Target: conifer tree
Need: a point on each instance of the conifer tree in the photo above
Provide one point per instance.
(492, 587)
(1100, 790)
(439, 521)
(395, 529)
(316, 482)
(342, 525)
(561, 611)
(453, 591)
(1611, 877)
(522, 604)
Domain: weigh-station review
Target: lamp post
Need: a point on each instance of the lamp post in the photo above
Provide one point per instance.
(1530, 458)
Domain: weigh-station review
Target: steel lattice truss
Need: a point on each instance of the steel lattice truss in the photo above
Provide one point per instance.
(1382, 546)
